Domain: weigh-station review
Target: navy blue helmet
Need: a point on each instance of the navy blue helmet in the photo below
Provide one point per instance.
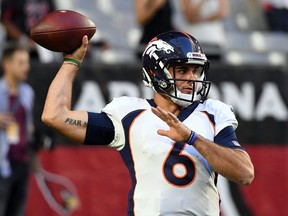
(174, 48)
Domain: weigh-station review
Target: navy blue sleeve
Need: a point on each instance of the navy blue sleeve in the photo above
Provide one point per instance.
(100, 129)
(227, 137)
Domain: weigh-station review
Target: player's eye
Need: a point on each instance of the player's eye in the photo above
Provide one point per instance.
(182, 70)
(197, 71)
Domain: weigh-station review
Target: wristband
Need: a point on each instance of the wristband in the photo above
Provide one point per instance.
(71, 63)
(75, 62)
(192, 138)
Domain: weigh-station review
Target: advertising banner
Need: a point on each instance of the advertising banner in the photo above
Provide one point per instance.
(94, 179)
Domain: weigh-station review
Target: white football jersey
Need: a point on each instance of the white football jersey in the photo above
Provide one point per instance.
(168, 178)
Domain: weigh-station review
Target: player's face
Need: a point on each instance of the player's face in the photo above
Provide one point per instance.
(185, 74)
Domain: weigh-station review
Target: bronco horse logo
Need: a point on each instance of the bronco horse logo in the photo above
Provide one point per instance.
(157, 46)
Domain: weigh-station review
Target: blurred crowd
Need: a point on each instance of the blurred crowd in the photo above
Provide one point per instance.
(124, 29)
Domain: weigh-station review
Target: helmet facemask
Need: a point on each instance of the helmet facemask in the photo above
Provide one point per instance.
(199, 88)
(176, 48)
(168, 86)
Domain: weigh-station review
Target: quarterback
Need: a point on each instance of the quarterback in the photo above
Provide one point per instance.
(173, 145)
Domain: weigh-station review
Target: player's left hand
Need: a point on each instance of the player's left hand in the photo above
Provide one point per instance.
(178, 131)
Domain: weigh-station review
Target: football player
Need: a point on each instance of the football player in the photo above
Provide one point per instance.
(173, 145)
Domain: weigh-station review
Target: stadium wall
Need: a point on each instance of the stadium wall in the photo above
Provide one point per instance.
(82, 180)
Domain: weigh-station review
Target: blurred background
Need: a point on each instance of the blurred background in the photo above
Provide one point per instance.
(248, 50)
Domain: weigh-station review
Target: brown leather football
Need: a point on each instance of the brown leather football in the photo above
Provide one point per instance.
(62, 30)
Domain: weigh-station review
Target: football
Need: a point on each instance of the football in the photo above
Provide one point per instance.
(62, 30)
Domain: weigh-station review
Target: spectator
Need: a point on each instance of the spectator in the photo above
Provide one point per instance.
(155, 17)
(204, 21)
(276, 12)
(16, 130)
(19, 16)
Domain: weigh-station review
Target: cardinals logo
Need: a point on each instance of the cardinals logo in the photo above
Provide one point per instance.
(58, 191)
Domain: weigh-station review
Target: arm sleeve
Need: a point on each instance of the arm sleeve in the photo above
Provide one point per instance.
(100, 129)
(227, 138)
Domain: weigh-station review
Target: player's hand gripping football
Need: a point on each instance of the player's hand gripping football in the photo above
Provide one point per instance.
(80, 52)
(178, 131)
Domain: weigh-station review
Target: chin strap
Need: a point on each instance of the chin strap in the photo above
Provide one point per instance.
(182, 99)
(181, 103)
